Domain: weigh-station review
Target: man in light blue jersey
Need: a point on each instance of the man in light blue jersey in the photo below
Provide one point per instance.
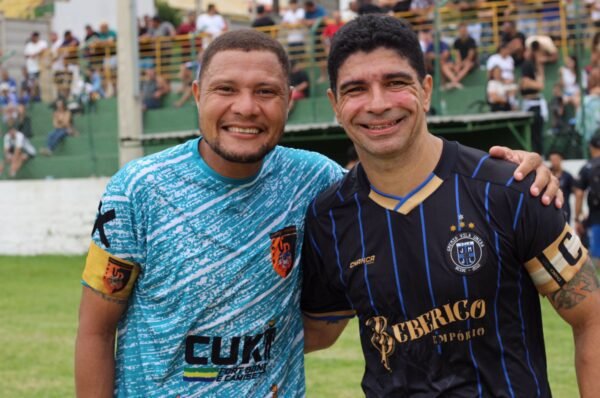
(193, 264)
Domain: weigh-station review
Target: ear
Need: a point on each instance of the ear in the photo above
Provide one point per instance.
(333, 102)
(427, 90)
(196, 90)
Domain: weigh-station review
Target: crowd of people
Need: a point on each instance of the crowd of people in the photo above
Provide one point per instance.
(84, 70)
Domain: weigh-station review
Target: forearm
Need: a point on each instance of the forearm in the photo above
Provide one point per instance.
(321, 334)
(94, 366)
(587, 360)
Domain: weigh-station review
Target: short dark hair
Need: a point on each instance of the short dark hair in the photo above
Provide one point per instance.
(556, 152)
(260, 9)
(369, 32)
(245, 40)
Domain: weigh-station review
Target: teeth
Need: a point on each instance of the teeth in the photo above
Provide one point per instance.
(243, 130)
(381, 126)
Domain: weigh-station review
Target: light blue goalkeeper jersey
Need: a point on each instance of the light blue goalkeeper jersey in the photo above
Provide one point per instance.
(214, 311)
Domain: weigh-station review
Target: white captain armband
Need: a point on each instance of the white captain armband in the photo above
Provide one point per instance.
(109, 275)
(558, 262)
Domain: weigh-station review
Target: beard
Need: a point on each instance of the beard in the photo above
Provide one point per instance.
(247, 158)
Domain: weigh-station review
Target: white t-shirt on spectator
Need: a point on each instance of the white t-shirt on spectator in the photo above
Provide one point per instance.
(507, 66)
(293, 18)
(212, 24)
(32, 53)
(19, 142)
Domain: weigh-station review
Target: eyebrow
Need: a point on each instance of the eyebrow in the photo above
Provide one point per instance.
(387, 76)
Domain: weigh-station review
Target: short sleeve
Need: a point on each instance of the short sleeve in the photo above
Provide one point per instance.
(322, 290)
(549, 248)
(583, 180)
(115, 256)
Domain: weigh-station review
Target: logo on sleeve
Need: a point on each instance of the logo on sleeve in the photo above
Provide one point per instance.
(283, 250)
(116, 276)
(466, 250)
(101, 220)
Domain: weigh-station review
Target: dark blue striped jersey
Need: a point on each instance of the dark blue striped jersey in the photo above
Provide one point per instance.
(444, 281)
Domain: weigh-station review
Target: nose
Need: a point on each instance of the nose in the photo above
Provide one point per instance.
(378, 101)
(245, 104)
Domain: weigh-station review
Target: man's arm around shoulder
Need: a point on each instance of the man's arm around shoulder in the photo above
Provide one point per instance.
(321, 332)
(95, 345)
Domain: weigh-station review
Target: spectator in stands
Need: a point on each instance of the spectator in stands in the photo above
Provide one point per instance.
(188, 25)
(499, 93)
(6, 79)
(28, 85)
(160, 28)
(504, 60)
(292, 21)
(186, 77)
(55, 54)
(312, 12)
(466, 48)
(531, 86)
(34, 49)
(402, 6)
(588, 115)
(90, 35)
(89, 51)
(153, 89)
(331, 28)
(548, 52)
(299, 81)
(211, 23)
(106, 45)
(17, 150)
(566, 180)
(468, 11)
(594, 53)
(70, 47)
(515, 40)
(424, 13)
(263, 18)
(595, 13)
(569, 81)
(12, 112)
(63, 127)
(444, 58)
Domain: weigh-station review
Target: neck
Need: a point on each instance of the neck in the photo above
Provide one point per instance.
(227, 168)
(400, 175)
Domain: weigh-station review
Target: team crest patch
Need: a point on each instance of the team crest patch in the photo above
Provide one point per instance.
(465, 252)
(117, 275)
(283, 250)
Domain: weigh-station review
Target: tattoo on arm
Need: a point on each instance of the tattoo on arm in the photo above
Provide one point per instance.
(109, 298)
(577, 289)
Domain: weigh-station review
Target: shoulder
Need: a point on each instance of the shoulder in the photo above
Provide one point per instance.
(479, 166)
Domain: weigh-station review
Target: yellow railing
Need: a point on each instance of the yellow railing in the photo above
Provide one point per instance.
(547, 17)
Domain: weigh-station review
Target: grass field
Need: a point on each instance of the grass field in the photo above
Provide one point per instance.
(38, 320)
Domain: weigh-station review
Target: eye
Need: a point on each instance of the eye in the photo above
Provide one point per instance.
(224, 89)
(354, 90)
(397, 83)
(266, 92)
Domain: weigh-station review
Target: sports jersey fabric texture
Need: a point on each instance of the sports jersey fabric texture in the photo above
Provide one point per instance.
(214, 311)
(443, 281)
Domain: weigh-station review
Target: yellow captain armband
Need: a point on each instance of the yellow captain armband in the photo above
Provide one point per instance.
(109, 275)
(558, 263)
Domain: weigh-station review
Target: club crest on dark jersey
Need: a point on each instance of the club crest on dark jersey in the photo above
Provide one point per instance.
(283, 250)
(465, 251)
(117, 275)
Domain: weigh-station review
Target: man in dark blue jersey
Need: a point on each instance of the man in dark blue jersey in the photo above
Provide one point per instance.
(434, 246)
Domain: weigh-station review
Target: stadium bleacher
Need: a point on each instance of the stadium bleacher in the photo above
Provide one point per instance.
(95, 151)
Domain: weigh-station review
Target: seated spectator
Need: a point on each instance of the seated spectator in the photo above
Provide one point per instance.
(466, 52)
(63, 127)
(444, 58)
(569, 81)
(153, 89)
(299, 81)
(506, 63)
(17, 150)
(548, 51)
(91, 36)
(499, 93)
(12, 111)
(6, 79)
(263, 18)
(186, 76)
(588, 114)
